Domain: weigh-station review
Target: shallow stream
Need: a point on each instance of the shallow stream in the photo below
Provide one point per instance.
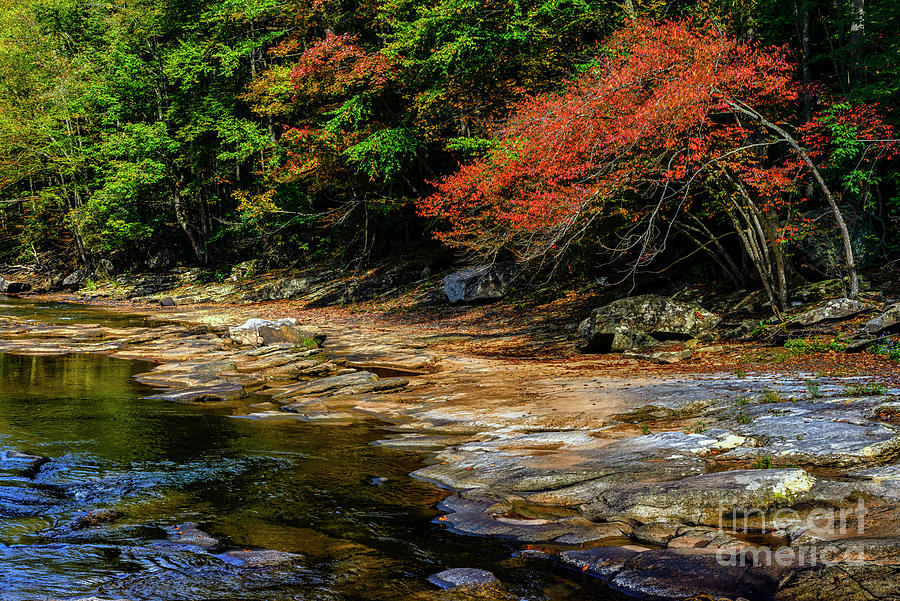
(363, 528)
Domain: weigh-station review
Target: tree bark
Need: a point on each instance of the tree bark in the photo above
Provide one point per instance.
(850, 262)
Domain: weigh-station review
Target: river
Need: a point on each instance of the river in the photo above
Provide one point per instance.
(362, 527)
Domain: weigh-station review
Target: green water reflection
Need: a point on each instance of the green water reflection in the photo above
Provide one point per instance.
(272, 484)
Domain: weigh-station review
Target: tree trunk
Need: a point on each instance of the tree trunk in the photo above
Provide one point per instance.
(857, 40)
(185, 226)
(850, 262)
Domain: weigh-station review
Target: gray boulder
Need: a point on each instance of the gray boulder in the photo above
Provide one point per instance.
(104, 268)
(480, 284)
(886, 322)
(640, 321)
(76, 279)
(836, 308)
(262, 332)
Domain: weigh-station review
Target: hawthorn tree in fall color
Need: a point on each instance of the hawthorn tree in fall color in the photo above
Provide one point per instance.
(673, 119)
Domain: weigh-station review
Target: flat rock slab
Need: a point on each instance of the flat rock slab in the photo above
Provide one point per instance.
(701, 499)
(225, 391)
(683, 573)
(463, 578)
(328, 385)
(602, 562)
(819, 434)
(474, 517)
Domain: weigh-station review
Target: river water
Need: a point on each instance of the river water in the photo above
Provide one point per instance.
(363, 527)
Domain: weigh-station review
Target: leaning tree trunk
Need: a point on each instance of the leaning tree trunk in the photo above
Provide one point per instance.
(186, 227)
(852, 277)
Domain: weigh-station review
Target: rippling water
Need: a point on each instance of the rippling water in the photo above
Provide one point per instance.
(282, 485)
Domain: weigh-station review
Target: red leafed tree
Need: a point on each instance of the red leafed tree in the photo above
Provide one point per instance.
(668, 110)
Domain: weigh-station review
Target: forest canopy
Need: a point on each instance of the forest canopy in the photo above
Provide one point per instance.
(589, 135)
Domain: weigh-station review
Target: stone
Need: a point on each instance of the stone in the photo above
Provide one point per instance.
(887, 322)
(656, 533)
(191, 534)
(470, 513)
(463, 578)
(834, 309)
(682, 573)
(8, 287)
(167, 301)
(329, 385)
(613, 338)
(104, 268)
(262, 558)
(224, 391)
(845, 581)
(95, 518)
(480, 284)
(821, 434)
(26, 463)
(659, 317)
(283, 289)
(701, 499)
(261, 332)
(76, 279)
(602, 562)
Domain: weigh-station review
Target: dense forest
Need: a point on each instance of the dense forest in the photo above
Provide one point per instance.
(754, 139)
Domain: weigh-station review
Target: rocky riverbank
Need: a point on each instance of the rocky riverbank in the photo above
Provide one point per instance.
(666, 483)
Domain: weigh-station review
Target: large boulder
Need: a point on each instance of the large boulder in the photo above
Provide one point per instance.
(637, 322)
(822, 250)
(480, 284)
(262, 332)
(884, 323)
(8, 287)
(836, 308)
(76, 279)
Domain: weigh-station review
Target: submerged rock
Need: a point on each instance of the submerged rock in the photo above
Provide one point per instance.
(263, 558)
(191, 534)
(95, 518)
(480, 284)
(463, 578)
(28, 464)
